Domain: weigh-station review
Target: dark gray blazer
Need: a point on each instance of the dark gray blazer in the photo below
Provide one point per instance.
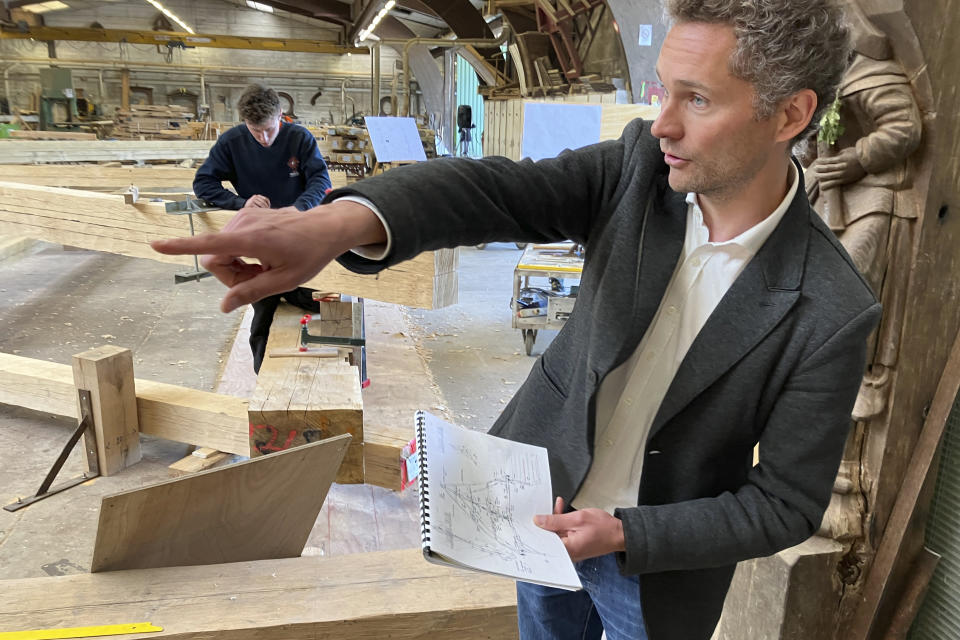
(778, 362)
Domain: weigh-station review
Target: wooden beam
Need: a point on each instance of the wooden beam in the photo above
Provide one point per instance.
(888, 552)
(107, 373)
(164, 410)
(261, 509)
(17, 134)
(392, 594)
(27, 151)
(301, 400)
(98, 176)
(176, 39)
(104, 222)
(125, 88)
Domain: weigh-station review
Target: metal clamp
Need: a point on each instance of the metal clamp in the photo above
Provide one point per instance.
(357, 341)
(188, 208)
(86, 422)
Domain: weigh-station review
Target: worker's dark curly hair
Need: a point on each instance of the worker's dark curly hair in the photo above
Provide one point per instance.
(258, 104)
(783, 46)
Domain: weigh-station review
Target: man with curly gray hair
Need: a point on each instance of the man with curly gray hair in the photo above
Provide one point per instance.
(716, 312)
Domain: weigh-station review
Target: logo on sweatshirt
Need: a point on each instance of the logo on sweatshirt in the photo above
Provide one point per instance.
(294, 164)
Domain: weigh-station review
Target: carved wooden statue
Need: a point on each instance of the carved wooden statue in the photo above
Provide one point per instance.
(854, 185)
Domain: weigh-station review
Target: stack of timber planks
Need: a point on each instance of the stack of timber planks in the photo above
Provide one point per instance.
(154, 122)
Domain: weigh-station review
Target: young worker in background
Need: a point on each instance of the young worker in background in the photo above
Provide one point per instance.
(271, 164)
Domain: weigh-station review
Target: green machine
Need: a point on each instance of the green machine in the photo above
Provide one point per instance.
(58, 100)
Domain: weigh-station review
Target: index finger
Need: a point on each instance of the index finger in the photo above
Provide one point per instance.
(211, 243)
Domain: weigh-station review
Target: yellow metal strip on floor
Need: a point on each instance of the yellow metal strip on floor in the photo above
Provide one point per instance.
(548, 267)
(80, 632)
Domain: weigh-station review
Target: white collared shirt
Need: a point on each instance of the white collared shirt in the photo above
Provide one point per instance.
(630, 396)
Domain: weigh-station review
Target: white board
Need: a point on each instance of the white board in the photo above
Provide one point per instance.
(551, 127)
(395, 139)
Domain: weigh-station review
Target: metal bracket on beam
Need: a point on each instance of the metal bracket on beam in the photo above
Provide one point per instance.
(45, 490)
(188, 208)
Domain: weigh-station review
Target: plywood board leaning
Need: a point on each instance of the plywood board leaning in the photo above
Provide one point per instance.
(363, 595)
(254, 510)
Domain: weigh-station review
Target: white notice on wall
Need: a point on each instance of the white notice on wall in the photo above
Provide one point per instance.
(646, 35)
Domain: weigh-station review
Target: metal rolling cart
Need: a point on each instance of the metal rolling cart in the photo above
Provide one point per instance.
(546, 307)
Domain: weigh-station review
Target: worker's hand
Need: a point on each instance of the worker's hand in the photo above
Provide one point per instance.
(290, 247)
(586, 533)
(257, 201)
(835, 171)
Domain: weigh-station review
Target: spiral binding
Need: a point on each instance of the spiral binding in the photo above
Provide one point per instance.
(422, 483)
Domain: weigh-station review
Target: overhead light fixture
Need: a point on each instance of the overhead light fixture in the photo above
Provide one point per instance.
(44, 7)
(170, 14)
(384, 10)
(259, 6)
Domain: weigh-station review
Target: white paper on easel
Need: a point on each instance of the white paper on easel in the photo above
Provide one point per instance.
(395, 139)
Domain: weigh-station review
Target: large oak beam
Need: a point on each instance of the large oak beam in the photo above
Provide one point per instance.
(394, 594)
(104, 222)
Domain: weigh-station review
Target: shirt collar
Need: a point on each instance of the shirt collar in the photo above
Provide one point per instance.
(753, 238)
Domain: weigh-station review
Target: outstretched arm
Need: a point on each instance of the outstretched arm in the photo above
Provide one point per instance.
(290, 247)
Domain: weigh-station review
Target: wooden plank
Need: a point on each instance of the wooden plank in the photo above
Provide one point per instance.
(93, 175)
(193, 464)
(27, 151)
(392, 594)
(913, 594)
(164, 410)
(17, 134)
(615, 117)
(255, 510)
(104, 222)
(300, 400)
(107, 373)
(878, 581)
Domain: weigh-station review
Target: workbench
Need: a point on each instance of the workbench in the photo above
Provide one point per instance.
(555, 263)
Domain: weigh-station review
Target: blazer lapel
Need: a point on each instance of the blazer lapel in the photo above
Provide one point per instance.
(663, 241)
(757, 301)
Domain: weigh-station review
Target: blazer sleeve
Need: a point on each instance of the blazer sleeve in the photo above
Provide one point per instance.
(786, 494)
(453, 202)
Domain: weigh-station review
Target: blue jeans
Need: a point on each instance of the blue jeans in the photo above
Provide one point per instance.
(608, 602)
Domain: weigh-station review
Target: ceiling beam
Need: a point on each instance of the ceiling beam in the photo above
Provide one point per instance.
(327, 10)
(176, 39)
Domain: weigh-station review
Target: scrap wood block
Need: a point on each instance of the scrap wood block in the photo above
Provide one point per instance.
(194, 463)
(392, 594)
(301, 400)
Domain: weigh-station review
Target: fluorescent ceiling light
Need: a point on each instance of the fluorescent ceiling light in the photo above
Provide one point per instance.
(170, 14)
(43, 7)
(368, 30)
(259, 6)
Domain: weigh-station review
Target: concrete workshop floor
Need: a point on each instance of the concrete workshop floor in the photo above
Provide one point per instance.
(463, 362)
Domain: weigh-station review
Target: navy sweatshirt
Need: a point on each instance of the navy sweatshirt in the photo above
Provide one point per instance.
(290, 171)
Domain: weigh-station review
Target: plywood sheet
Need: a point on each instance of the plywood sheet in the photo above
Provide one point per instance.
(254, 510)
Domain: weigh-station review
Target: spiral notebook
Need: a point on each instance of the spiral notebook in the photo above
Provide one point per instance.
(478, 496)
